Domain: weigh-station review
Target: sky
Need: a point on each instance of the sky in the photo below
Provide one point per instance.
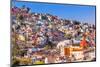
(84, 14)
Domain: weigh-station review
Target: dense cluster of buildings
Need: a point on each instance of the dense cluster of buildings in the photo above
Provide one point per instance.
(45, 38)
